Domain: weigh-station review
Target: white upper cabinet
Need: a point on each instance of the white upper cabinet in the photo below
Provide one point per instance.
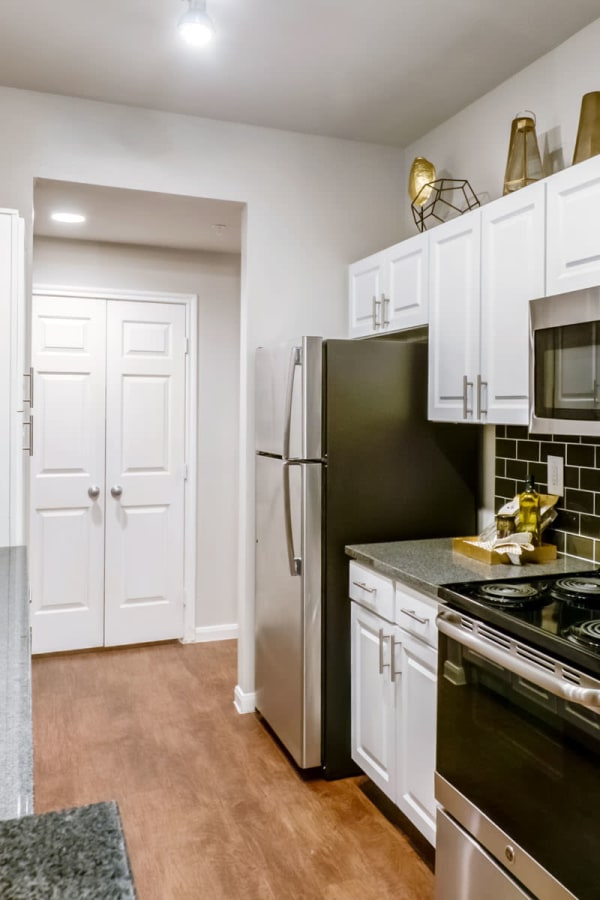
(573, 228)
(512, 274)
(389, 290)
(454, 259)
(366, 288)
(485, 268)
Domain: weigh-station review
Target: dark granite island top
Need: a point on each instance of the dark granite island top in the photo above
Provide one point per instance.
(425, 565)
(76, 854)
(16, 757)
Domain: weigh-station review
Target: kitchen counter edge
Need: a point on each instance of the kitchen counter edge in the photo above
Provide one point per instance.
(425, 565)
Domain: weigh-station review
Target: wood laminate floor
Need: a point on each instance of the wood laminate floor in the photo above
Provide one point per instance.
(211, 806)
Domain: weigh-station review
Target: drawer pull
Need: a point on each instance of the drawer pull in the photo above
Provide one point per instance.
(412, 615)
(383, 637)
(363, 587)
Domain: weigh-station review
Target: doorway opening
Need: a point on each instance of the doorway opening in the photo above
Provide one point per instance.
(156, 270)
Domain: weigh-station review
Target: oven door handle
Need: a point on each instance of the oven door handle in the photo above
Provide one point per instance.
(508, 658)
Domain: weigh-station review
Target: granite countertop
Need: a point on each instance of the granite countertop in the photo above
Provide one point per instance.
(77, 854)
(16, 755)
(426, 564)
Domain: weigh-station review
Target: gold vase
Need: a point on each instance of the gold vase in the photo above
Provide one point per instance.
(524, 164)
(421, 174)
(588, 133)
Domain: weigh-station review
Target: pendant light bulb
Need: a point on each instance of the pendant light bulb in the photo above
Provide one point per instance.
(195, 25)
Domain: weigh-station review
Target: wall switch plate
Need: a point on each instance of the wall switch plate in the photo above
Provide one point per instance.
(556, 484)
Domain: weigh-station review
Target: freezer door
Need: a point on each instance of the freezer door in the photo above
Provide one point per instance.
(288, 390)
(288, 606)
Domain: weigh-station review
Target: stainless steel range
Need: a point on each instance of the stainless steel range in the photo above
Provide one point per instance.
(518, 739)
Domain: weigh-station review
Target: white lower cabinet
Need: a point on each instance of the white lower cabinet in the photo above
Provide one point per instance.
(394, 692)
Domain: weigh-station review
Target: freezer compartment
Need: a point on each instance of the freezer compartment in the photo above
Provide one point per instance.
(288, 604)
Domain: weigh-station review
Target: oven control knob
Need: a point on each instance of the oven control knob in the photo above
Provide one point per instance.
(509, 853)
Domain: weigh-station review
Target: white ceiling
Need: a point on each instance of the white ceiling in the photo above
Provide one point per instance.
(385, 71)
(138, 217)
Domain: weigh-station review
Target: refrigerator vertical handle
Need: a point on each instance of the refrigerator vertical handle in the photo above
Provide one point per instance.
(294, 561)
(295, 360)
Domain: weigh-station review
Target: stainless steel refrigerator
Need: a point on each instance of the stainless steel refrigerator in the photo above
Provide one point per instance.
(344, 455)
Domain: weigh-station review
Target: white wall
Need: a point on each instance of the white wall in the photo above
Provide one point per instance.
(474, 143)
(215, 278)
(313, 205)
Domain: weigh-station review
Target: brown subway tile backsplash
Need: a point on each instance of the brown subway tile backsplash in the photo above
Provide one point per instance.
(576, 530)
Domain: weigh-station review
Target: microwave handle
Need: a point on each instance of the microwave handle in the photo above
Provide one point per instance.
(548, 680)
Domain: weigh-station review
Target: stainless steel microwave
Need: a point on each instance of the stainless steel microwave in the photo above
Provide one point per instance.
(564, 363)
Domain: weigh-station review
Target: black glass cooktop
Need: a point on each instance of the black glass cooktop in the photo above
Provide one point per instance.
(557, 613)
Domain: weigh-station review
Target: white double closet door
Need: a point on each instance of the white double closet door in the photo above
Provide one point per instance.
(107, 472)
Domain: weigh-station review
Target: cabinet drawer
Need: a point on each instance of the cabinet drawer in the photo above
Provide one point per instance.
(372, 590)
(416, 614)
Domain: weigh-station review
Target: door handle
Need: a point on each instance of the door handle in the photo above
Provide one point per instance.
(116, 491)
(376, 305)
(93, 492)
(467, 410)
(385, 305)
(295, 360)
(295, 562)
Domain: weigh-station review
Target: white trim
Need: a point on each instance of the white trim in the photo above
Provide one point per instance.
(191, 304)
(244, 703)
(17, 343)
(206, 633)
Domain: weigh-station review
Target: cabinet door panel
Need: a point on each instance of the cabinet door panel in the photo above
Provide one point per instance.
(416, 731)
(573, 228)
(512, 274)
(406, 304)
(454, 292)
(366, 289)
(373, 706)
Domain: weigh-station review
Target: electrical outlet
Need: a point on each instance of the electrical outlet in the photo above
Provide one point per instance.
(556, 483)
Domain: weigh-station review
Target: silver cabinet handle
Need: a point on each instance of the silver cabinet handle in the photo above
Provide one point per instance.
(509, 654)
(29, 400)
(412, 615)
(295, 562)
(93, 492)
(466, 385)
(383, 638)
(376, 322)
(484, 409)
(384, 303)
(116, 491)
(295, 360)
(29, 448)
(393, 670)
(480, 408)
(363, 587)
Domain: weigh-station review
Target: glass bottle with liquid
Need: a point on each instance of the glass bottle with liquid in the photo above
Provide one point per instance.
(529, 511)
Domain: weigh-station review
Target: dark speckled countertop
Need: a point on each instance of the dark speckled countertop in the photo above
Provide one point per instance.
(425, 565)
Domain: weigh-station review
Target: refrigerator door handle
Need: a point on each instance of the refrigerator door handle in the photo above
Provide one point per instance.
(294, 561)
(295, 360)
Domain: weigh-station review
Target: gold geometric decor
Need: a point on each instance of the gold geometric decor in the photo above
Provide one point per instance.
(588, 133)
(523, 165)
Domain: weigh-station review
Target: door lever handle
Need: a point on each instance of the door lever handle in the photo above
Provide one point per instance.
(116, 491)
(93, 492)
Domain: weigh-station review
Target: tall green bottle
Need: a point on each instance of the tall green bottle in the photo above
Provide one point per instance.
(529, 511)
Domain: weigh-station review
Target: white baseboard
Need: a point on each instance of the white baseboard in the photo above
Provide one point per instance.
(205, 633)
(244, 702)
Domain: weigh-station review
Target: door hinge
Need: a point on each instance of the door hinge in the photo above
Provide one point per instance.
(186, 346)
(185, 471)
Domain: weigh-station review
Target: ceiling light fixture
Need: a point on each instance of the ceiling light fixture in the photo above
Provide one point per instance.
(68, 218)
(195, 25)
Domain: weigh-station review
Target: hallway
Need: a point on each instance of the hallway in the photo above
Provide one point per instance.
(210, 805)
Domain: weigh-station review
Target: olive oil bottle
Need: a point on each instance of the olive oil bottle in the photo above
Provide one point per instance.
(529, 511)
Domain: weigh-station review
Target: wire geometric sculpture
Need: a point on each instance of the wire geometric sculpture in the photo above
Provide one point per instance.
(452, 196)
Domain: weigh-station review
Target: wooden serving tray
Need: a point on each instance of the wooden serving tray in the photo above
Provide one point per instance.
(542, 554)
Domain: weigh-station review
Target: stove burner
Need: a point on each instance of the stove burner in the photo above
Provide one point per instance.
(577, 590)
(579, 585)
(508, 595)
(586, 634)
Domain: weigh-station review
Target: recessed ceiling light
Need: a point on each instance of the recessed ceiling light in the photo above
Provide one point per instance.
(195, 25)
(68, 218)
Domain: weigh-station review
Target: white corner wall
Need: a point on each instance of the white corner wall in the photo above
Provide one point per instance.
(313, 206)
(474, 143)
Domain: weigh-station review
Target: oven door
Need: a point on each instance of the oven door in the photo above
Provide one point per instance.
(518, 745)
(564, 363)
